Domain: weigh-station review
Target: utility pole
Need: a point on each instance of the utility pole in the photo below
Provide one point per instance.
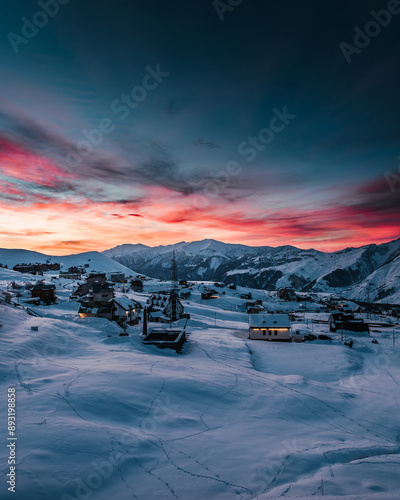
(174, 291)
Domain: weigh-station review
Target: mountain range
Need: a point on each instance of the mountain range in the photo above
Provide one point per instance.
(369, 272)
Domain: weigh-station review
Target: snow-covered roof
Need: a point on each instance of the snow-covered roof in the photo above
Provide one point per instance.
(269, 321)
(157, 314)
(125, 303)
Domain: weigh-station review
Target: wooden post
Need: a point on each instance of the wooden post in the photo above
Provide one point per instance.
(145, 321)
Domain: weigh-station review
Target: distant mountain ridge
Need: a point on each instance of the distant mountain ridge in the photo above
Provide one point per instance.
(369, 271)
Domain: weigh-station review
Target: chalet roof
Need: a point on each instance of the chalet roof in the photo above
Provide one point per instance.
(96, 307)
(44, 287)
(158, 314)
(98, 287)
(125, 303)
(269, 321)
(339, 316)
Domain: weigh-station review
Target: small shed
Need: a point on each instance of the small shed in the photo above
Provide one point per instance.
(270, 327)
(338, 321)
(46, 293)
(137, 285)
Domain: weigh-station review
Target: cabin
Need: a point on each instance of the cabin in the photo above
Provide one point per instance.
(46, 293)
(137, 285)
(183, 283)
(93, 309)
(273, 327)
(208, 296)
(97, 288)
(35, 268)
(125, 310)
(286, 293)
(70, 276)
(343, 321)
(117, 277)
(100, 292)
(246, 296)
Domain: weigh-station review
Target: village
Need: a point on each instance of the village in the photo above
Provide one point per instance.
(163, 308)
(200, 376)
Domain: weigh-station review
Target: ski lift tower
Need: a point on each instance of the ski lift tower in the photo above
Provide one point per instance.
(174, 289)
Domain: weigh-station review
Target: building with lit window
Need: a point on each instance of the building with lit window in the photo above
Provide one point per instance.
(270, 327)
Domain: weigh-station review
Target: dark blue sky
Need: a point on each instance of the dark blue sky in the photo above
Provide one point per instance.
(224, 82)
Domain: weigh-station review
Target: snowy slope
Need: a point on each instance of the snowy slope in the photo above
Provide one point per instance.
(270, 268)
(96, 261)
(102, 416)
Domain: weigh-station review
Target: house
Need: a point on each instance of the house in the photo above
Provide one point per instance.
(207, 296)
(246, 296)
(170, 306)
(97, 287)
(125, 310)
(117, 277)
(183, 283)
(70, 276)
(35, 268)
(270, 327)
(253, 310)
(231, 286)
(100, 292)
(75, 270)
(46, 293)
(137, 285)
(342, 321)
(90, 308)
(286, 293)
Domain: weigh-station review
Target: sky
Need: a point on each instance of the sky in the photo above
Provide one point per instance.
(245, 121)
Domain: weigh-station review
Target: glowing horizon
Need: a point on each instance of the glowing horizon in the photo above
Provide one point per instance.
(260, 140)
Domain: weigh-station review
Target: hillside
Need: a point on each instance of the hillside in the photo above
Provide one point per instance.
(94, 260)
(101, 416)
(371, 270)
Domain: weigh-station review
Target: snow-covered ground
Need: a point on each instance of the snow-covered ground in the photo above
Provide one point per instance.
(101, 416)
